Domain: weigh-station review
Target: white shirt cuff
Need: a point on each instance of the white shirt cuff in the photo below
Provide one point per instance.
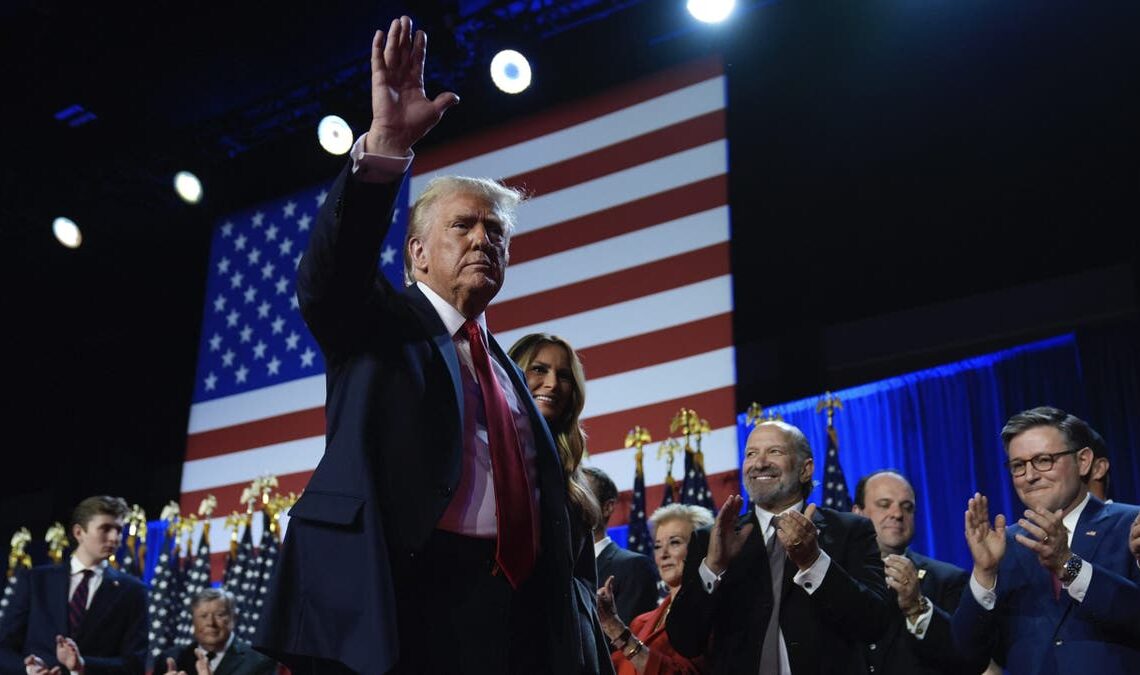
(711, 581)
(918, 628)
(1080, 585)
(812, 577)
(986, 597)
(371, 168)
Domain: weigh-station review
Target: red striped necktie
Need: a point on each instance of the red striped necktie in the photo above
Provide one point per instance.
(516, 548)
(77, 607)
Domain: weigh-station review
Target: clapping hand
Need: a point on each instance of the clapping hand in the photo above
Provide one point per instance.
(986, 541)
(799, 536)
(1050, 540)
(725, 541)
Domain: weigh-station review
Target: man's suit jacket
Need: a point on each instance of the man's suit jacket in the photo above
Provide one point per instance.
(240, 659)
(111, 639)
(635, 580)
(823, 631)
(898, 651)
(1029, 631)
(392, 459)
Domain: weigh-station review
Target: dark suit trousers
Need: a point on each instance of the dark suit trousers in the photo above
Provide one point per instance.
(458, 613)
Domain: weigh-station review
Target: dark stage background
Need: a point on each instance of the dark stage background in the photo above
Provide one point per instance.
(911, 183)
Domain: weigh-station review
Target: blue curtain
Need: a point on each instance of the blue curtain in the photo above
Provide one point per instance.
(1110, 361)
(941, 428)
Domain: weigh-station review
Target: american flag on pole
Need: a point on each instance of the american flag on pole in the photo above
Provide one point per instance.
(637, 535)
(623, 250)
(695, 486)
(835, 495)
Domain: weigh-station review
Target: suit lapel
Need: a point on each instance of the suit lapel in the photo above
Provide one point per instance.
(1089, 534)
(58, 578)
(754, 545)
(105, 597)
(442, 340)
(231, 659)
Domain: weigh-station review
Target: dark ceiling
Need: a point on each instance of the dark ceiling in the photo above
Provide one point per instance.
(885, 156)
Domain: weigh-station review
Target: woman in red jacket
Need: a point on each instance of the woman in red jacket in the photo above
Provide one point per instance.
(643, 647)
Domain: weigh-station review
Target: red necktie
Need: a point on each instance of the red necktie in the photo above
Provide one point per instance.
(1056, 586)
(77, 607)
(516, 548)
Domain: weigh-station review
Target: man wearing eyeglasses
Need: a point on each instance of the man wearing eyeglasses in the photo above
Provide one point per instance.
(1058, 591)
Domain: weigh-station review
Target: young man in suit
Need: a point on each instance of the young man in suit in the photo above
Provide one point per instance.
(1058, 591)
(635, 575)
(216, 650)
(434, 535)
(926, 591)
(85, 616)
(783, 589)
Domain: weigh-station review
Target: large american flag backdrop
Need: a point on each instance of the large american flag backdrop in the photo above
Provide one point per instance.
(623, 250)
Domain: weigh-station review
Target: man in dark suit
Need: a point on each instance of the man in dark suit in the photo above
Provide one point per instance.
(780, 590)
(1059, 591)
(216, 650)
(635, 575)
(433, 536)
(926, 591)
(85, 617)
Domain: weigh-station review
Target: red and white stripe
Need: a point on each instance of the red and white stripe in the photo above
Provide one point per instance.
(623, 250)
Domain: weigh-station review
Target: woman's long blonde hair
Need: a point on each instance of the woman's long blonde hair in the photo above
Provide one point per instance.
(569, 437)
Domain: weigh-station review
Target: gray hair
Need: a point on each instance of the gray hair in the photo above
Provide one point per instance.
(696, 516)
(210, 594)
(506, 199)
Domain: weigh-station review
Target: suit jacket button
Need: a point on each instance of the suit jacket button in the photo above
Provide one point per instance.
(873, 646)
(445, 490)
(1059, 642)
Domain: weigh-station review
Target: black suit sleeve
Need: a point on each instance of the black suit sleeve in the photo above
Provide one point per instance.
(690, 617)
(338, 275)
(936, 648)
(14, 625)
(853, 593)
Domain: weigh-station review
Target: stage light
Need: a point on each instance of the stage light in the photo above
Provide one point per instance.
(510, 71)
(335, 135)
(710, 11)
(188, 187)
(67, 232)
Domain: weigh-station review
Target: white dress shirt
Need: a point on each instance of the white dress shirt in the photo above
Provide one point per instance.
(77, 576)
(808, 579)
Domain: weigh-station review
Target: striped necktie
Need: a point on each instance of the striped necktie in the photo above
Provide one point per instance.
(77, 607)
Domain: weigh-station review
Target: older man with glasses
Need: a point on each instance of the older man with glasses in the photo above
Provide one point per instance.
(1058, 591)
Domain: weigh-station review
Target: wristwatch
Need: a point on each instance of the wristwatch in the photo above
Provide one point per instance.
(1071, 570)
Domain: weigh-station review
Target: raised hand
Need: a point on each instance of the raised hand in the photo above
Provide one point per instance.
(607, 614)
(1050, 540)
(725, 541)
(986, 542)
(799, 536)
(401, 111)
